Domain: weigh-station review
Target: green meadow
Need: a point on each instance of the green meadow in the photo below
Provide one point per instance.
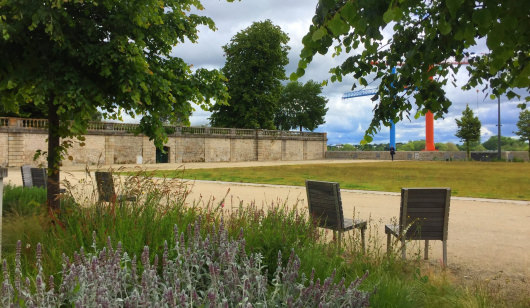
(498, 180)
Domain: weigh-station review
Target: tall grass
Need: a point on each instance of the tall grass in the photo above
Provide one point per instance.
(267, 231)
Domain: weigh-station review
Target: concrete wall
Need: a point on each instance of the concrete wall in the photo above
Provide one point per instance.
(112, 144)
(426, 156)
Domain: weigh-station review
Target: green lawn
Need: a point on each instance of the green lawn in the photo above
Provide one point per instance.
(467, 179)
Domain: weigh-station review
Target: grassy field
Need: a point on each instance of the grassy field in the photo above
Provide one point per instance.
(496, 180)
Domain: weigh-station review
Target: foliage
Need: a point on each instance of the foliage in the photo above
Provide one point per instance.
(448, 146)
(468, 128)
(425, 37)
(210, 271)
(523, 127)
(301, 105)
(23, 201)
(70, 58)
(417, 145)
(507, 144)
(255, 60)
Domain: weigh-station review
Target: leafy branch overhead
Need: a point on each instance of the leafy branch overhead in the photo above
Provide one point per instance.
(424, 37)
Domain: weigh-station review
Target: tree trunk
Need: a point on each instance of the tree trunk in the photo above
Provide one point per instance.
(300, 128)
(467, 149)
(53, 156)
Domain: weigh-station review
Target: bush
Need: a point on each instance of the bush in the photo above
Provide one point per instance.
(23, 201)
(210, 271)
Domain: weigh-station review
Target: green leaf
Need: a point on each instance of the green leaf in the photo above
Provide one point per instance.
(319, 34)
(453, 6)
(348, 12)
(392, 14)
(492, 96)
(367, 139)
(363, 81)
(444, 27)
(482, 18)
(293, 77)
(338, 26)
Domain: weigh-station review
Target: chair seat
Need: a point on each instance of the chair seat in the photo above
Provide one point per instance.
(354, 223)
(126, 198)
(392, 229)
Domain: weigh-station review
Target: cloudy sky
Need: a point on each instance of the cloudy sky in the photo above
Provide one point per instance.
(346, 120)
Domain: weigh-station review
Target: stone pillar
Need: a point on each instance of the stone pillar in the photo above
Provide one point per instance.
(109, 150)
(15, 154)
(3, 174)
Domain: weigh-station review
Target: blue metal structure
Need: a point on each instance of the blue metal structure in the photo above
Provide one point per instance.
(372, 91)
(359, 93)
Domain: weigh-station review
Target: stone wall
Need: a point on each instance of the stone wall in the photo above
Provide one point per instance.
(112, 143)
(424, 155)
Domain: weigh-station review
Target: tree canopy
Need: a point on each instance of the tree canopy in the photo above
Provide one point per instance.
(468, 128)
(72, 57)
(523, 127)
(507, 144)
(255, 61)
(425, 36)
(301, 105)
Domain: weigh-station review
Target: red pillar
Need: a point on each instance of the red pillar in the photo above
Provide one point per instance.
(429, 132)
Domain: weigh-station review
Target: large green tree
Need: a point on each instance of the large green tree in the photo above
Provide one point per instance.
(72, 57)
(255, 61)
(523, 127)
(418, 38)
(468, 128)
(301, 105)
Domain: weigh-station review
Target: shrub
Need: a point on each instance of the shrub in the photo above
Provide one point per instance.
(23, 201)
(201, 271)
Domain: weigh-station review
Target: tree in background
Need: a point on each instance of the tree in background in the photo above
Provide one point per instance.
(507, 144)
(424, 34)
(417, 145)
(523, 126)
(301, 105)
(468, 128)
(255, 61)
(71, 58)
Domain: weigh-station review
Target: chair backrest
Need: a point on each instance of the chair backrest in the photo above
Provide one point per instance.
(26, 176)
(325, 204)
(105, 185)
(39, 177)
(425, 212)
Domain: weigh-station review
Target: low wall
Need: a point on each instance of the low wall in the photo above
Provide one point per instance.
(426, 155)
(113, 143)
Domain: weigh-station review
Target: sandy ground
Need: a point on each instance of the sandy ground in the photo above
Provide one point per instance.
(489, 239)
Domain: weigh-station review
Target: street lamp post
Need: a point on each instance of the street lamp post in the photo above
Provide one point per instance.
(499, 127)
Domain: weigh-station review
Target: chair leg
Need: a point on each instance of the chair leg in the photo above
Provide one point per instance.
(340, 240)
(426, 256)
(388, 243)
(403, 248)
(445, 252)
(363, 241)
